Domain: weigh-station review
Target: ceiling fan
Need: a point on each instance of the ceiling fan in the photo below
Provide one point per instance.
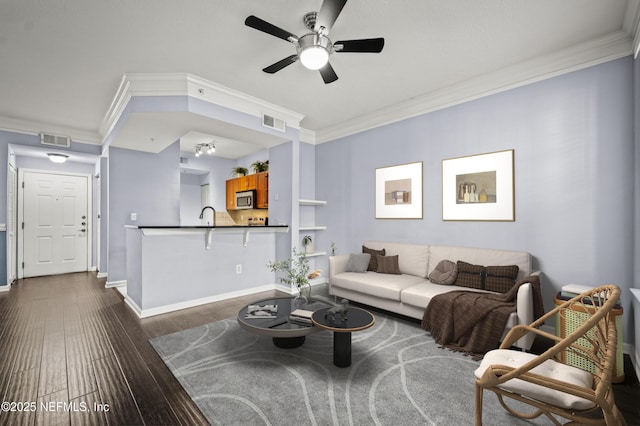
(313, 49)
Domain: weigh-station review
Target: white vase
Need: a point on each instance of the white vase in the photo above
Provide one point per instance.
(308, 248)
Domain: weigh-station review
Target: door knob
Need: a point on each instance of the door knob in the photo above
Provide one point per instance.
(83, 230)
(84, 217)
(84, 223)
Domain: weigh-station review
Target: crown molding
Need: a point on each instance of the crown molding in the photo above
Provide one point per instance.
(610, 47)
(28, 127)
(631, 24)
(307, 136)
(185, 84)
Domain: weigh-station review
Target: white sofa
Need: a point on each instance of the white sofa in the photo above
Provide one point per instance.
(409, 293)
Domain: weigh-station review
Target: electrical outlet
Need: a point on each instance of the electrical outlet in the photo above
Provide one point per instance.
(239, 268)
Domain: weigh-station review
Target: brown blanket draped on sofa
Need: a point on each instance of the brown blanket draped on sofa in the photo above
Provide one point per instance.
(472, 322)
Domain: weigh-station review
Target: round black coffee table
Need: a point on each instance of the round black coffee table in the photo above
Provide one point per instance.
(356, 319)
(285, 334)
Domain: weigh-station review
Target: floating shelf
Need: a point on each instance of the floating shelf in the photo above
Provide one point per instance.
(304, 202)
(316, 253)
(312, 228)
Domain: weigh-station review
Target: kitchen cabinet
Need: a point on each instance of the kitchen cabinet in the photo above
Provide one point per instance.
(231, 194)
(246, 183)
(262, 190)
(258, 182)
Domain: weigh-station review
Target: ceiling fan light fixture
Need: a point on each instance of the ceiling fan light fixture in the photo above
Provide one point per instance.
(313, 50)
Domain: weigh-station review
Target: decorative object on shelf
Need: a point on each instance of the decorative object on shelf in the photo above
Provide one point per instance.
(240, 171)
(315, 274)
(333, 248)
(307, 242)
(297, 270)
(260, 166)
(398, 192)
(478, 187)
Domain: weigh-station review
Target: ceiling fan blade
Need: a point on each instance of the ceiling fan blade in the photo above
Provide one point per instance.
(328, 14)
(365, 45)
(264, 26)
(328, 74)
(272, 69)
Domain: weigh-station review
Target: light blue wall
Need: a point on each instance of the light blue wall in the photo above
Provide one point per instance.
(144, 183)
(574, 168)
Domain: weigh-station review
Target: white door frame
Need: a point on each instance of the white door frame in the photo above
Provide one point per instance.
(21, 247)
(12, 226)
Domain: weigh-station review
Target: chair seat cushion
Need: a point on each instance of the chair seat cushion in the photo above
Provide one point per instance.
(549, 368)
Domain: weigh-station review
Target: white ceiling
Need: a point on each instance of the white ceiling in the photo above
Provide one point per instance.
(61, 61)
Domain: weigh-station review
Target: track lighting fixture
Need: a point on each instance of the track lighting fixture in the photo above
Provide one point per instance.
(209, 148)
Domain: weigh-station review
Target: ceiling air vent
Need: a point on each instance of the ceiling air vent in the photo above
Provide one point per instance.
(53, 140)
(273, 123)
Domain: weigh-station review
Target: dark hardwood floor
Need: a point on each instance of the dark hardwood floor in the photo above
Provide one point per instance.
(71, 352)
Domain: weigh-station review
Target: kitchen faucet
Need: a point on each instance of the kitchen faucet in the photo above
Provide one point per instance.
(214, 213)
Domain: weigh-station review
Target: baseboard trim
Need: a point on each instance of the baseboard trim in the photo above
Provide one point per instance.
(110, 284)
(4, 288)
(101, 275)
(145, 313)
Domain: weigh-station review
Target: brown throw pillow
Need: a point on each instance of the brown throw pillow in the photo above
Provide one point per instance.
(501, 278)
(493, 278)
(388, 265)
(445, 272)
(373, 262)
(469, 275)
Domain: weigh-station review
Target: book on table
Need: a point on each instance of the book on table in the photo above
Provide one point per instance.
(261, 311)
(301, 316)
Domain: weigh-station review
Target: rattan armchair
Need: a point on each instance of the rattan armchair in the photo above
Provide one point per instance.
(551, 387)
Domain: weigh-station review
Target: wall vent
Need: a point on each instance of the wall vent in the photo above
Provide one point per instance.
(273, 123)
(53, 140)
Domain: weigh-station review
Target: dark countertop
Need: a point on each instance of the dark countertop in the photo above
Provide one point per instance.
(211, 227)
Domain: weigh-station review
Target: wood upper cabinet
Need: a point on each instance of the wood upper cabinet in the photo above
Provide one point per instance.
(262, 191)
(246, 183)
(258, 182)
(231, 194)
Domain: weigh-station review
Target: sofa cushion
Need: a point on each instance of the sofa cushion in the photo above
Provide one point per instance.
(481, 256)
(373, 262)
(379, 285)
(493, 278)
(358, 262)
(388, 265)
(445, 272)
(550, 368)
(413, 259)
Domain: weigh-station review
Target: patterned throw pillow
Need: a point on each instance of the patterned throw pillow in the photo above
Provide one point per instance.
(500, 278)
(493, 278)
(388, 265)
(373, 262)
(469, 275)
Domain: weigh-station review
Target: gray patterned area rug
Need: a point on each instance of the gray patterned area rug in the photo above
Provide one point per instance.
(398, 375)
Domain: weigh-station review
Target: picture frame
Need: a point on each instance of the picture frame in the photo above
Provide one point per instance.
(398, 191)
(479, 187)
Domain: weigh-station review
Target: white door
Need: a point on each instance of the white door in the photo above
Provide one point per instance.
(12, 204)
(56, 223)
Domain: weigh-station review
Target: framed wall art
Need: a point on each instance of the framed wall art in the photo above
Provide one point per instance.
(479, 187)
(398, 192)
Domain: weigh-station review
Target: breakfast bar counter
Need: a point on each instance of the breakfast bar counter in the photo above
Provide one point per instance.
(176, 267)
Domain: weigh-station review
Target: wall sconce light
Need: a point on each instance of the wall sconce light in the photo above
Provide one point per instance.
(57, 158)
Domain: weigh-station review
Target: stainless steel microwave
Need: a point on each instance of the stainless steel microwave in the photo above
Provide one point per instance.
(244, 200)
